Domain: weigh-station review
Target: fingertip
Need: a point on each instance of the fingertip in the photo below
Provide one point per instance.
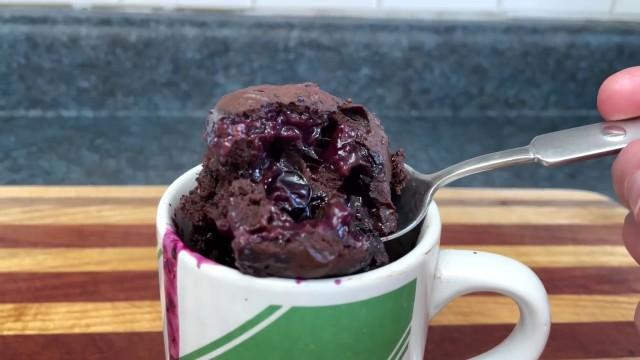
(626, 165)
(637, 317)
(619, 95)
(631, 236)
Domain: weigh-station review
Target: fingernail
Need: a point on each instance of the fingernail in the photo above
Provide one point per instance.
(632, 191)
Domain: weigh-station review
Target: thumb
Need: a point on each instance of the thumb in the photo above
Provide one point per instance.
(619, 95)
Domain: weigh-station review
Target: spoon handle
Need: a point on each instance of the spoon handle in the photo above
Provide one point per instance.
(584, 142)
(556, 148)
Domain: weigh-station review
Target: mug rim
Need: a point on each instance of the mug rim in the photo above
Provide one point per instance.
(427, 240)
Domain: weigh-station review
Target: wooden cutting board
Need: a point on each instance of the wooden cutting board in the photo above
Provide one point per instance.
(78, 272)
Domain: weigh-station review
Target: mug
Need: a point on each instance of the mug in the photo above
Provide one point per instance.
(214, 311)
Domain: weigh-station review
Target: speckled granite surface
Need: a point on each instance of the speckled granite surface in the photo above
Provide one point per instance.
(106, 98)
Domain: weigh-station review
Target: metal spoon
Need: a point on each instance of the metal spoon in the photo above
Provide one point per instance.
(556, 148)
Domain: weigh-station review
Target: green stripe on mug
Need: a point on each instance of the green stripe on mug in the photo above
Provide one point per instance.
(406, 347)
(347, 331)
(404, 341)
(235, 333)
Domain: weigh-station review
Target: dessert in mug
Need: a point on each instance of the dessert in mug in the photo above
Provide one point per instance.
(295, 183)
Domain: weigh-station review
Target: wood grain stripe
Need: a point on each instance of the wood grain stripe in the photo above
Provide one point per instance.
(486, 309)
(561, 255)
(29, 202)
(483, 234)
(590, 280)
(101, 192)
(78, 287)
(109, 213)
(78, 260)
(23, 236)
(104, 214)
(79, 317)
(550, 215)
(100, 346)
(142, 316)
(43, 260)
(451, 193)
(566, 341)
(143, 285)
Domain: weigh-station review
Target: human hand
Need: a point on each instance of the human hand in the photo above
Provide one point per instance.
(619, 99)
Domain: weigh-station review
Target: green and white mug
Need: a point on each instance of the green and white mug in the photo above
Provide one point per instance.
(215, 312)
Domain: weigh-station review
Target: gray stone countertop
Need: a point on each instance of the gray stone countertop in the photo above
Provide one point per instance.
(112, 98)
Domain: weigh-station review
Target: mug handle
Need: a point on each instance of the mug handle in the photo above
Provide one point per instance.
(461, 272)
